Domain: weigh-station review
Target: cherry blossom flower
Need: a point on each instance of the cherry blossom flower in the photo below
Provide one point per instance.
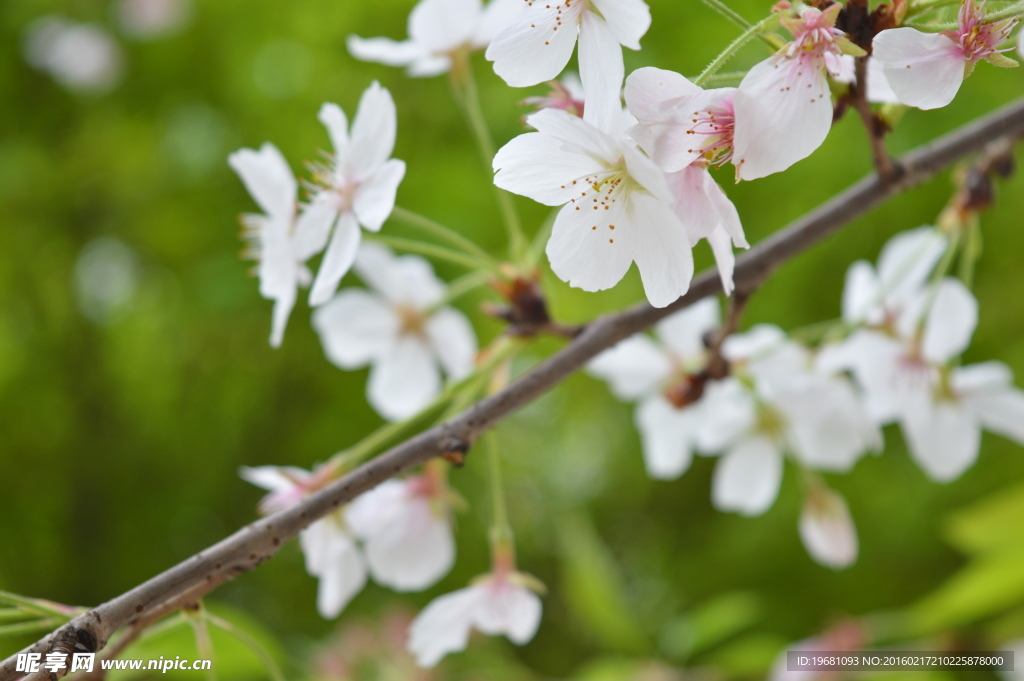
(566, 94)
(274, 236)
(501, 602)
(437, 30)
(400, 329)
(783, 108)
(783, 405)
(328, 546)
(358, 185)
(81, 57)
(660, 376)
(617, 206)
(827, 529)
(406, 531)
(879, 90)
(539, 43)
(926, 70)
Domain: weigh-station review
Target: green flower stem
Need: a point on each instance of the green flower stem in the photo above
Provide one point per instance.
(729, 52)
(501, 531)
(926, 6)
(433, 251)
(724, 79)
(8, 614)
(733, 16)
(1014, 11)
(437, 229)
(36, 606)
(30, 627)
(466, 92)
(249, 642)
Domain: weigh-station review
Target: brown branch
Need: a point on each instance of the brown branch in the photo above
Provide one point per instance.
(258, 541)
(875, 126)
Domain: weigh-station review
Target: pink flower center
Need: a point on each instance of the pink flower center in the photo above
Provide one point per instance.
(976, 38)
(716, 125)
(814, 36)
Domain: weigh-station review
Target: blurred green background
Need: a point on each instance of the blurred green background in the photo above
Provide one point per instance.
(124, 421)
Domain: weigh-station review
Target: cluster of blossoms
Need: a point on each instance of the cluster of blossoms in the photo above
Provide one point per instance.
(628, 161)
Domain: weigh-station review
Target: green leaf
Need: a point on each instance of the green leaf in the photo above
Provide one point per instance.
(710, 624)
(749, 656)
(994, 524)
(988, 585)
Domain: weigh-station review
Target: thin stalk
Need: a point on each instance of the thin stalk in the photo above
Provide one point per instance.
(30, 627)
(733, 16)
(464, 85)
(501, 531)
(727, 78)
(437, 229)
(8, 614)
(434, 251)
(734, 47)
(1014, 11)
(249, 642)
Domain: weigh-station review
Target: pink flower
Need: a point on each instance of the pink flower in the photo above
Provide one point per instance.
(926, 69)
(827, 530)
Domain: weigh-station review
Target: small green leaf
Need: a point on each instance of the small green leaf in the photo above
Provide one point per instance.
(1001, 60)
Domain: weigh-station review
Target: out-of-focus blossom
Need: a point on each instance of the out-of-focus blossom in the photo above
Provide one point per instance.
(827, 530)
(659, 375)
(566, 94)
(926, 70)
(539, 43)
(437, 30)
(617, 205)
(398, 327)
(146, 19)
(106, 276)
(81, 57)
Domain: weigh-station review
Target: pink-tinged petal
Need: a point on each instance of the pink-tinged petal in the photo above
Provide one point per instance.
(576, 135)
(534, 166)
(748, 477)
(537, 46)
(497, 16)
(384, 50)
(601, 70)
(660, 248)
(783, 113)
(986, 391)
(666, 131)
(684, 331)
(585, 252)
(950, 323)
(355, 327)
(333, 118)
(443, 626)
(444, 25)
(827, 530)
(925, 70)
(667, 435)
(375, 198)
(861, 294)
(906, 262)
(508, 609)
(403, 380)
(452, 338)
(268, 179)
(373, 131)
(633, 368)
(313, 227)
(649, 89)
(403, 280)
(341, 253)
(627, 19)
(943, 437)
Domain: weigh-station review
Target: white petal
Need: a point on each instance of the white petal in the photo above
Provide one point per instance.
(661, 249)
(747, 478)
(533, 165)
(760, 340)
(273, 478)
(341, 253)
(728, 415)
(373, 133)
(283, 305)
(334, 119)
(628, 20)
(783, 113)
(648, 89)
(355, 327)
(585, 252)
(531, 50)
(634, 368)
(403, 380)
(923, 69)
(828, 425)
(402, 280)
(268, 179)
(375, 198)
(860, 293)
(906, 262)
(577, 136)
(986, 392)
(343, 576)
(667, 434)
(452, 338)
(384, 50)
(429, 66)
(510, 610)
(725, 260)
(943, 437)
(827, 530)
(497, 16)
(313, 228)
(601, 70)
(950, 323)
(443, 25)
(684, 331)
(443, 626)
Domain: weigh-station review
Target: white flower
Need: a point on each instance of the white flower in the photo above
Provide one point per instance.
(81, 57)
(537, 46)
(359, 185)
(791, 407)
(399, 329)
(497, 603)
(437, 29)
(273, 235)
(406, 532)
(330, 550)
(926, 69)
(659, 375)
(879, 90)
(783, 107)
(617, 206)
(827, 529)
